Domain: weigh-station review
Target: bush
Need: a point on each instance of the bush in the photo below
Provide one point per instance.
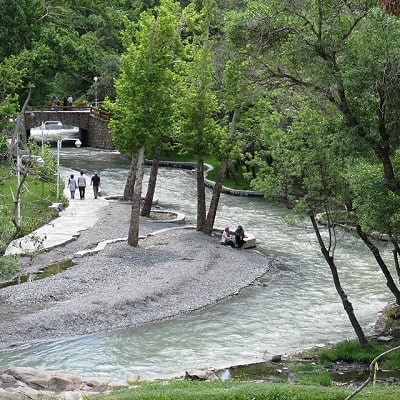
(8, 267)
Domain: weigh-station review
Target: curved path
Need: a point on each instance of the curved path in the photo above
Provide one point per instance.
(78, 216)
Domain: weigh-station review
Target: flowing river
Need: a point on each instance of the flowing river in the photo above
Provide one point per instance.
(294, 308)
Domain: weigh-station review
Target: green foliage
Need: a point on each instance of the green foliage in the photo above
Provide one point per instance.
(339, 93)
(62, 45)
(3, 145)
(351, 351)
(20, 24)
(306, 163)
(37, 193)
(197, 132)
(9, 266)
(375, 205)
(12, 75)
(36, 198)
(142, 113)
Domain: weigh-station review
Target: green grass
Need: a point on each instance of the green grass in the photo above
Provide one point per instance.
(228, 390)
(301, 380)
(234, 180)
(352, 351)
(36, 198)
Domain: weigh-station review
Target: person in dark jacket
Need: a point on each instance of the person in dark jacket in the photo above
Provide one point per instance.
(95, 182)
(239, 236)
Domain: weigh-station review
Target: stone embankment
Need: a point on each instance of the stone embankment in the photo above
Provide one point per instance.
(32, 383)
(25, 382)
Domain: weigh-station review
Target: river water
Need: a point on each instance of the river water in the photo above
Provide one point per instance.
(295, 307)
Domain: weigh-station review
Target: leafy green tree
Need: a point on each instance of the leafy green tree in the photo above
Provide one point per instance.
(197, 103)
(307, 166)
(143, 108)
(20, 26)
(25, 198)
(324, 51)
(234, 88)
(318, 56)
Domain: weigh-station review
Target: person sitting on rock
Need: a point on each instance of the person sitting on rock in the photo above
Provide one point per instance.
(227, 238)
(239, 236)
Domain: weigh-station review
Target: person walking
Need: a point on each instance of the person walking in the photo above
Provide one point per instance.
(82, 185)
(70, 100)
(72, 186)
(95, 182)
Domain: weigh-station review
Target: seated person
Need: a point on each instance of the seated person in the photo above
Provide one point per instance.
(239, 236)
(227, 238)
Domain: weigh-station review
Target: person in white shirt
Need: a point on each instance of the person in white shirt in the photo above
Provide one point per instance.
(227, 238)
(82, 185)
(70, 101)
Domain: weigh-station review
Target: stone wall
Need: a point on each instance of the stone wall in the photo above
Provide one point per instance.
(98, 134)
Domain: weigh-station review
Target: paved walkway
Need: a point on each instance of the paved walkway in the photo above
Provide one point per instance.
(78, 216)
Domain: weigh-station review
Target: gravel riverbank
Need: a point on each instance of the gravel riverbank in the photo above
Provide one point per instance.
(169, 273)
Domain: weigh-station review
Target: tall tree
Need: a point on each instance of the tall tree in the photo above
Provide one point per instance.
(197, 101)
(322, 55)
(143, 108)
(235, 83)
(308, 168)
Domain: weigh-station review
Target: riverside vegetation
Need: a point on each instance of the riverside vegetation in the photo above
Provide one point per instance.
(306, 376)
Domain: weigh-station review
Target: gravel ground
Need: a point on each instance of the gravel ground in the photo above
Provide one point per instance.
(169, 273)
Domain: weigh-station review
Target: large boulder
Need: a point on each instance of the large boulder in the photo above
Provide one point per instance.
(26, 382)
(201, 375)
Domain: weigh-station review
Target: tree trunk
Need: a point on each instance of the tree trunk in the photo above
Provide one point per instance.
(133, 236)
(216, 194)
(19, 135)
(151, 187)
(396, 253)
(130, 180)
(201, 194)
(375, 251)
(348, 307)
(396, 263)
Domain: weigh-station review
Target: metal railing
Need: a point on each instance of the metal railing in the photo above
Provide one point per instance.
(98, 112)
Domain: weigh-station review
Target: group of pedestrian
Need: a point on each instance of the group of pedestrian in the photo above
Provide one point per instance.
(233, 239)
(80, 184)
(67, 102)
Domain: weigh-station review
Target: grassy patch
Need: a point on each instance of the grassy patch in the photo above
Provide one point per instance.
(352, 351)
(299, 380)
(189, 390)
(36, 197)
(235, 178)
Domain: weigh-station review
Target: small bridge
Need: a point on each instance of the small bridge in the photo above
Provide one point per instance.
(92, 123)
